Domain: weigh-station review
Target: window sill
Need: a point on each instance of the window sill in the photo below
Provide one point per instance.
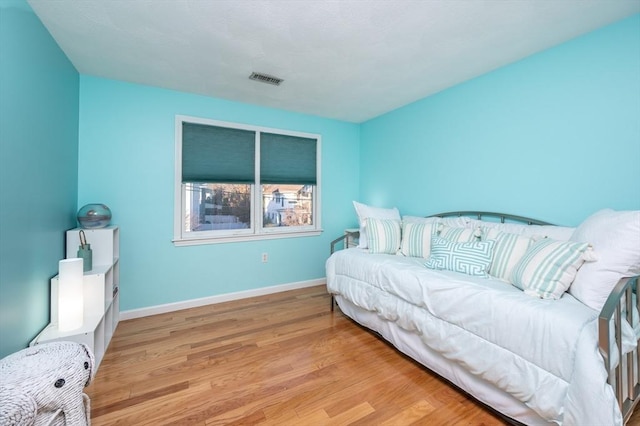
(182, 242)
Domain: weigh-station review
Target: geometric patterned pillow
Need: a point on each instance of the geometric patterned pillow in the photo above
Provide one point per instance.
(383, 235)
(416, 238)
(472, 258)
(458, 235)
(549, 267)
(507, 252)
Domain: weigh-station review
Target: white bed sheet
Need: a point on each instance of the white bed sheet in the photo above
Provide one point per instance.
(527, 348)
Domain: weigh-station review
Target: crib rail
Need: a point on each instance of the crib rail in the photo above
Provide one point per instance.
(624, 376)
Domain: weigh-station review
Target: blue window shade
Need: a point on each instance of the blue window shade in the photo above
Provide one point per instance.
(287, 159)
(217, 154)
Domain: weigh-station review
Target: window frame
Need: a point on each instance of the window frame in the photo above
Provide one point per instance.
(257, 231)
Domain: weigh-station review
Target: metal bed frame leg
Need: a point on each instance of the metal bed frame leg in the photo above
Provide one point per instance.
(333, 249)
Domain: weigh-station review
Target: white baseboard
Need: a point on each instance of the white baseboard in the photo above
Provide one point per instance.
(227, 297)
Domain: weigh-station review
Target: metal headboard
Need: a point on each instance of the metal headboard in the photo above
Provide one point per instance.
(501, 216)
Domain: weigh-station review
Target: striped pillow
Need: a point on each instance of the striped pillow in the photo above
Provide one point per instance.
(472, 258)
(458, 235)
(416, 238)
(383, 235)
(549, 267)
(507, 252)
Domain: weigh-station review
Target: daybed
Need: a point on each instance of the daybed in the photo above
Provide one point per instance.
(538, 341)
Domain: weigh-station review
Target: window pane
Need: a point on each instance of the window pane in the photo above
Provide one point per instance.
(217, 154)
(287, 159)
(216, 206)
(287, 205)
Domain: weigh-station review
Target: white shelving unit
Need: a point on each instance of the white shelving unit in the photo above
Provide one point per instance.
(101, 293)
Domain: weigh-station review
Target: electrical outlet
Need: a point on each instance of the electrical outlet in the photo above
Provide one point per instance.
(265, 257)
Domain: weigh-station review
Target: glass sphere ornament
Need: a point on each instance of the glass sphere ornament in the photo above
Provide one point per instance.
(94, 216)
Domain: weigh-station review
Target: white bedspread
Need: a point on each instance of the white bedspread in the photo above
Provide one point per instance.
(543, 352)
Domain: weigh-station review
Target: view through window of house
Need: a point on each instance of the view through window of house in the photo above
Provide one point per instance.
(287, 205)
(211, 206)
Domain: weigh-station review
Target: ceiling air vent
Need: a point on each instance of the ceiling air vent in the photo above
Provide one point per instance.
(265, 78)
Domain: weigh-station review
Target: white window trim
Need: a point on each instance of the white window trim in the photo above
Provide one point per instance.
(257, 231)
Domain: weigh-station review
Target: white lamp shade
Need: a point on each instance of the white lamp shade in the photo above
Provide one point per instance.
(70, 294)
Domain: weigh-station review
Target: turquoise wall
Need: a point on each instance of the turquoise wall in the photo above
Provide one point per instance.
(38, 169)
(555, 136)
(127, 151)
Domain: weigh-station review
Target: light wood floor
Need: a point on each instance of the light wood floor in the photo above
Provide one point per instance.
(282, 359)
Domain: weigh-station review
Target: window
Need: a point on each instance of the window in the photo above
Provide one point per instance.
(236, 182)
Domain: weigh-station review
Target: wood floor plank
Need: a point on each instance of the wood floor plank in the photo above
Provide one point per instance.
(352, 414)
(415, 412)
(279, 359)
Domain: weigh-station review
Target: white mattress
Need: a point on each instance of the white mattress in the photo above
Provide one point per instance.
(540, 355)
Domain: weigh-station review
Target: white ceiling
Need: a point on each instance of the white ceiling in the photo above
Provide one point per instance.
(345, 59)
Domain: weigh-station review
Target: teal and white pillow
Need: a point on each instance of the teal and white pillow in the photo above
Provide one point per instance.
(458, 235)
(472, 258)
(365, 211)
(507, 252)
(416, 238)
(549, 267)
(384, 235)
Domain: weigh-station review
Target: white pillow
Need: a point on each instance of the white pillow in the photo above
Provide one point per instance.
(560, 233)
(471, 258)
(615, 237)
(416, 238)
(384, 235)
(456, 221)
(549, 267)
(364, 211)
